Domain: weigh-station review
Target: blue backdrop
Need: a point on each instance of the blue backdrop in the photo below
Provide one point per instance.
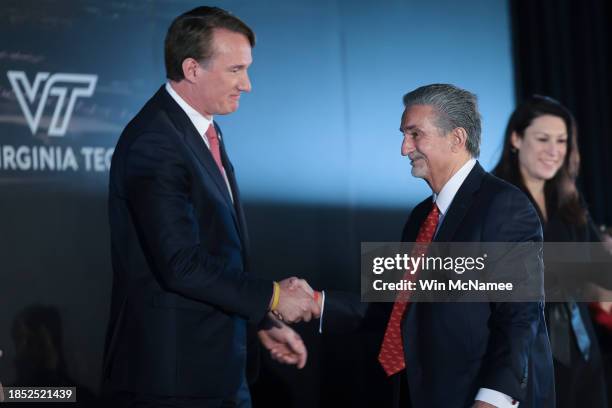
(319, 131)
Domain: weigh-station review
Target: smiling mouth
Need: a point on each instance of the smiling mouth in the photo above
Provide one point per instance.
(550, 163)
(415, 159)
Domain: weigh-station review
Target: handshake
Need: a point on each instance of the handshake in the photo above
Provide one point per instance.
(294, 300)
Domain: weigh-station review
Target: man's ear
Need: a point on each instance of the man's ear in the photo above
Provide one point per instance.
(190, 68)
(458, 139)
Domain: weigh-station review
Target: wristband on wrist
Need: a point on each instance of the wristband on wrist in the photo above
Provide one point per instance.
(275, 296)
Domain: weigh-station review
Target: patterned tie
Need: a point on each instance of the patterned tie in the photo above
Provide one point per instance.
(391, 355)
(213, 142)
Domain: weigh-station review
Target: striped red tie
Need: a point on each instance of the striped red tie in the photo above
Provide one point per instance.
(391, 355)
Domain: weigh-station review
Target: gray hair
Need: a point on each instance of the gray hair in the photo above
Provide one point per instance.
(455, 108)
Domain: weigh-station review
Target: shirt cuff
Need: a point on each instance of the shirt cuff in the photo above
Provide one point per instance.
(499, 399)
(322, 308)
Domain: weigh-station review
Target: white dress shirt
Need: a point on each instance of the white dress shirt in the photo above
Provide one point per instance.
(200, 122)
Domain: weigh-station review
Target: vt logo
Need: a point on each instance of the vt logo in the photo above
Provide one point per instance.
(72, 87)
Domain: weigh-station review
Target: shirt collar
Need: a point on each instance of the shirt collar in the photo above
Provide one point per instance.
(444, 199)
(200, 122)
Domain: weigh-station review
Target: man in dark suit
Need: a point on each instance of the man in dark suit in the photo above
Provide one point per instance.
(453, 354)
(184, 304)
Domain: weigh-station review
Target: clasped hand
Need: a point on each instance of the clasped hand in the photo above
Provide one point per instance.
(284, 344)
(296, 301)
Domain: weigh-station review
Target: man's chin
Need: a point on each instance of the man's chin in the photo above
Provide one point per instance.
(418, 172)
(228, 110)
(233, 106)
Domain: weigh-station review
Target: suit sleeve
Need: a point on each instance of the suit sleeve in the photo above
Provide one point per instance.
(513, 326)
(345, 313)
(157, 187)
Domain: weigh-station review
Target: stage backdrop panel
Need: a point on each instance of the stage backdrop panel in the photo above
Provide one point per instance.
(316, 144)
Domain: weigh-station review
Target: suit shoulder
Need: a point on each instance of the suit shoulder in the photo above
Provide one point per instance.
(509, 212)
(495, 185)
(151, 132)
(499, 192)
(151, 121)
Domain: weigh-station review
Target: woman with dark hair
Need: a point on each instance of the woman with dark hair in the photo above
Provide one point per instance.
(540, 156)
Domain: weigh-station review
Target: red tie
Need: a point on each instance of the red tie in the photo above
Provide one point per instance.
(391, 355)
(213, 142)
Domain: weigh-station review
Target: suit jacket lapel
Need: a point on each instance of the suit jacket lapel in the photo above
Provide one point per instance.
(460, 204)
(417, 217)
(229, 170)
(196, 144)
(198, 147)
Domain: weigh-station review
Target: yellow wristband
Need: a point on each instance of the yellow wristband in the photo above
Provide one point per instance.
(275, 296)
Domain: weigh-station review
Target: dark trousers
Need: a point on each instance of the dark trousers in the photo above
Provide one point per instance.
(242, 399)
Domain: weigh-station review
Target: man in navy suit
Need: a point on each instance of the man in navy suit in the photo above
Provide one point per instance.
(184, 305)
(453, 354)
(470, 354)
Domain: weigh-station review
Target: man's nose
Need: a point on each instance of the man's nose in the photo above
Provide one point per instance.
(245, 84)
(407, 146)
